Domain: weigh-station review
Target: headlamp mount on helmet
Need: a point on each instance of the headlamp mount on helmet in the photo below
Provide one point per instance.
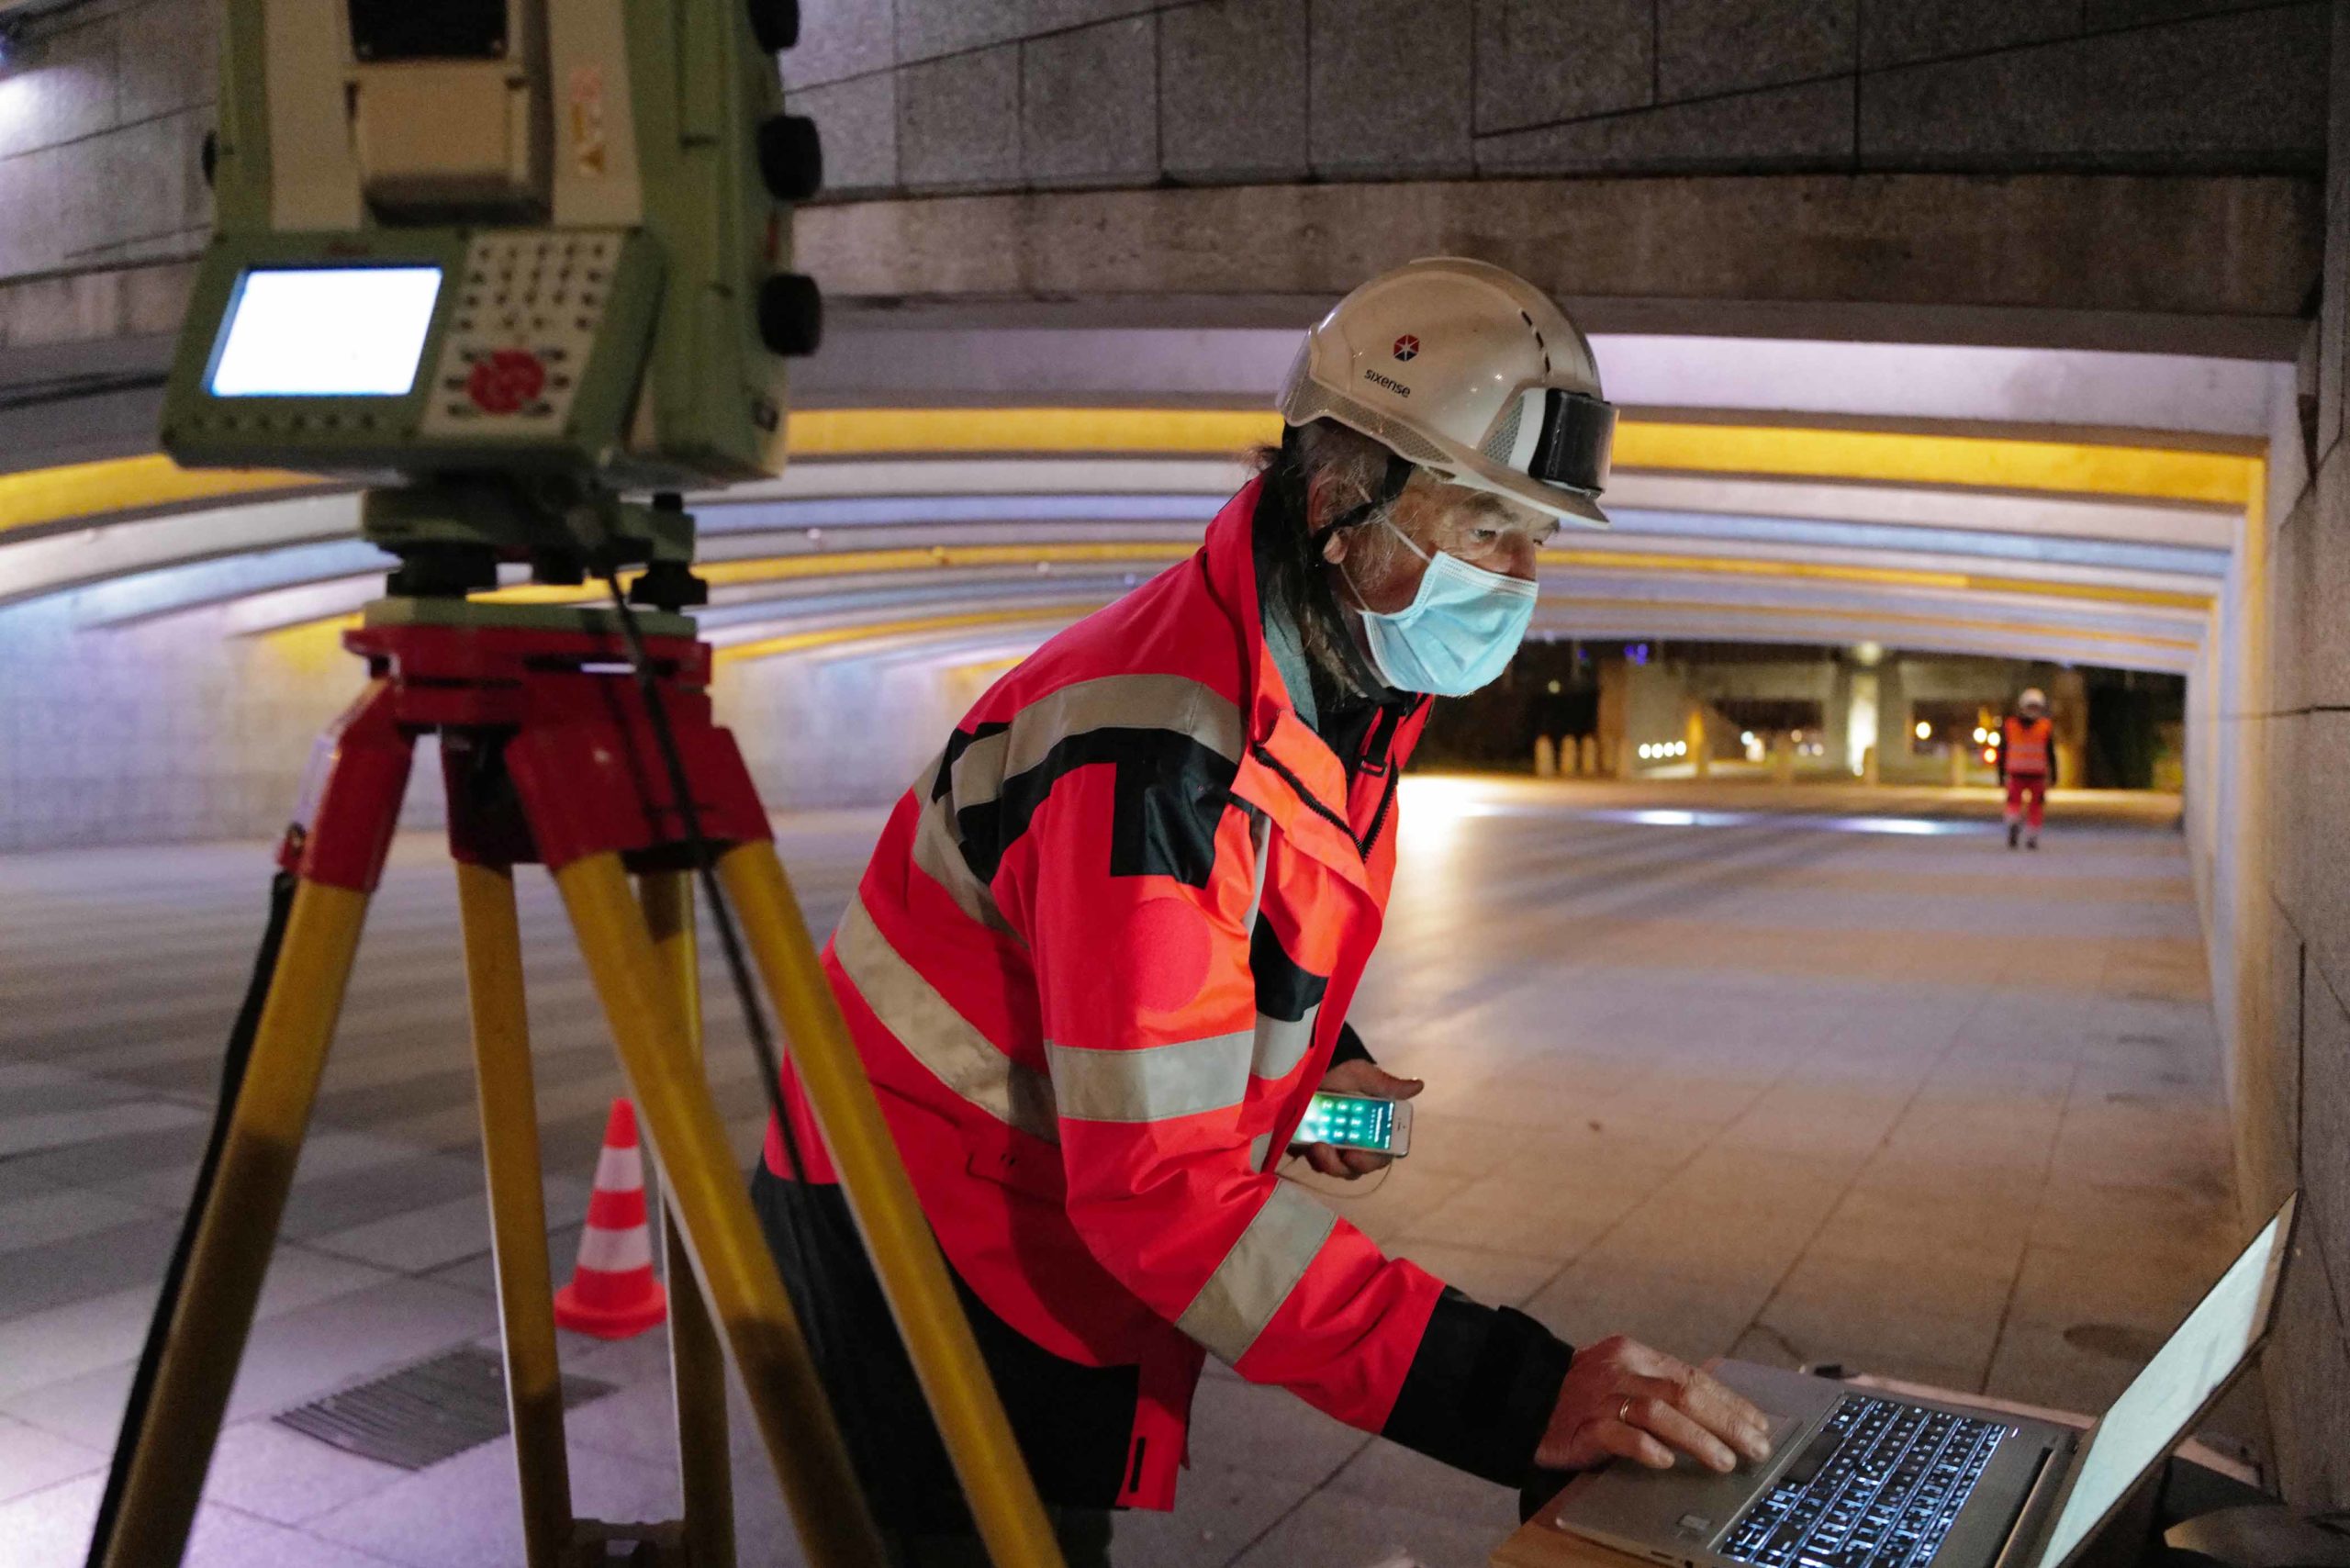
(1574, 438)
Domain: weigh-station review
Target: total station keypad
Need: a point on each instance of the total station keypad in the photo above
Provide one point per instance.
(527, 313)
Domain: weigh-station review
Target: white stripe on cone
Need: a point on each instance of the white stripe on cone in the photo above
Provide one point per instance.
(619, 1170)
(615, 1252)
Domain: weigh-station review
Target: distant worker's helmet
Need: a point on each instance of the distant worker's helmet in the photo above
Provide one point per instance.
(1471, 372)
(2032, 703)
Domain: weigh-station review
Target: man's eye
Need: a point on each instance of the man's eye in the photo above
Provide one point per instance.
(1484, 535)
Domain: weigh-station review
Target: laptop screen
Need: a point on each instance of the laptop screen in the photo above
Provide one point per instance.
(2154, 1412)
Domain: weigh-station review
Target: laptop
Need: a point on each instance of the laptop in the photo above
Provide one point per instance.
(1862, 1479)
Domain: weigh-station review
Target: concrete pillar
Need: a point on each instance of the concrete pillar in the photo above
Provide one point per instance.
(1892, 720)
(1546, 757)
(1783, 759)
(1859, 750)
(1614, 709)
(2068, 713)
(1836, 716)
(1588, 758)
(1692, 729)
(1957, 762)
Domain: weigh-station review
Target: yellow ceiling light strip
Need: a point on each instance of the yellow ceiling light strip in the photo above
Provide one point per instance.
(1890, 576)
(1871, 618)
(1905, 458)
(94, 490)
(858, 562)
(869, 433)
(874, 631)
(128, 484)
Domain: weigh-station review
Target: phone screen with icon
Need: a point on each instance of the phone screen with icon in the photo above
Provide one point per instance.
(1354, 1121)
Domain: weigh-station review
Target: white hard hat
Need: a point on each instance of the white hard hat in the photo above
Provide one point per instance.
(1470, 371)
(2033, 699)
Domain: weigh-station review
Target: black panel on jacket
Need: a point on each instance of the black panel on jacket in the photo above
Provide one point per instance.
(1285, 989)
(1171, 793)
(1480, 1389)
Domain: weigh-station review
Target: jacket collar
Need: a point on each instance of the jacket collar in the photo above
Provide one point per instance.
(1290, 772)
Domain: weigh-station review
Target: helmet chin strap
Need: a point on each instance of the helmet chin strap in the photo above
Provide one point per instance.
(1390, 485)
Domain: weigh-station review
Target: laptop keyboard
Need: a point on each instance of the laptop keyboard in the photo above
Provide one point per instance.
(1878, 1486)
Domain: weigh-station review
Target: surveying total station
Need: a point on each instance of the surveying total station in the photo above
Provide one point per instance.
(520, 267)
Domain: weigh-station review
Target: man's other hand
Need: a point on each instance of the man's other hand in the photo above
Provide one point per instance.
(1622, 1399)
(1365, 1079)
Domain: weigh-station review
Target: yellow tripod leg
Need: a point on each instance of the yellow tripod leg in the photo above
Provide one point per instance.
(905, 1254)
(697, 1363)
(710, 1197)
(518, 1218)
(239, 1228)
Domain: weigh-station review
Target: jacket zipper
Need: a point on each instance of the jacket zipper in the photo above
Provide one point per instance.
(1379, 817)
(1312, 802)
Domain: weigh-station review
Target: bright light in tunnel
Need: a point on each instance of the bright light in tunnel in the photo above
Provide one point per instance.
(1925, 731)
(1982, 736)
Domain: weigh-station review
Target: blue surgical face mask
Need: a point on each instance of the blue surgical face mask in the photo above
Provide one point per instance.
(1458, 632)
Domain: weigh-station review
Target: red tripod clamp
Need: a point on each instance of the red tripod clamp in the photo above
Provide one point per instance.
(546, 749)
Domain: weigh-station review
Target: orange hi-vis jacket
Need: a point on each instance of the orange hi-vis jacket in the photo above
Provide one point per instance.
(1095, 970)
(2024, 745)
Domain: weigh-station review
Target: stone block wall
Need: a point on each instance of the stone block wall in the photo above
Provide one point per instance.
(104, 105)
(919, 97)
(2291, 1067)
(104, 109)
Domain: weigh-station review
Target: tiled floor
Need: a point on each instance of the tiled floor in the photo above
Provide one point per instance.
(1805, 1077)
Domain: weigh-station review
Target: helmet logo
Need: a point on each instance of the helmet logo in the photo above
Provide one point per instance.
(1408, 347)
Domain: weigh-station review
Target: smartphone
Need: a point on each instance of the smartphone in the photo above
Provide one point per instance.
(1353, 1121)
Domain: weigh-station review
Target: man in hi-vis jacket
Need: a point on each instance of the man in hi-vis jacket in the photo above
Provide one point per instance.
(2027, 766)
(1103, 954)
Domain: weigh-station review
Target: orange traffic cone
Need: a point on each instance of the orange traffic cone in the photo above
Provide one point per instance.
(612, 1292)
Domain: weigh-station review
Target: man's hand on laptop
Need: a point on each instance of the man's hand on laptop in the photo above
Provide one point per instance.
(1622, 1399)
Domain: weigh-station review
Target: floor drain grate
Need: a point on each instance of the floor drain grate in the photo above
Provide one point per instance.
(424, 1414)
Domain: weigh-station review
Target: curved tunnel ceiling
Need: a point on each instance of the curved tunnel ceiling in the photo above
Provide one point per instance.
(2012, 502)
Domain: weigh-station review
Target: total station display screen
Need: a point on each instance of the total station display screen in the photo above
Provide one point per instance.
(1351, 1122)
(325, 333)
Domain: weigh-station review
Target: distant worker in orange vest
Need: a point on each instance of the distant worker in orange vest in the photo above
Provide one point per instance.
(2027, 766)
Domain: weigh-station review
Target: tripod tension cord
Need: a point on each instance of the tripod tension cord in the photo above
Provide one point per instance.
(233, 1062)
(698, 847)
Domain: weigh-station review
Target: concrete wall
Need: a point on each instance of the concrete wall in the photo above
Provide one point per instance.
(102, 113)
(2275, 772)
(104, 110)
(930, 95)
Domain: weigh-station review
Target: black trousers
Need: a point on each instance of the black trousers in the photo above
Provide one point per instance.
(1073, 1421)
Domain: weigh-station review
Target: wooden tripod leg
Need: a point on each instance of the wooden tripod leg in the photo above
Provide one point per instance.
(518, 1217)
(713, 1206)
(239, 1228)
(905, 1253)
(697, 1362)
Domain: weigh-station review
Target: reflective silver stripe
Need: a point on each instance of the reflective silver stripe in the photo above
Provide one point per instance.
(1260, 1148)
(1281, 1045)
(939, 855)
(1113, 702)
(977, 775)
(1257, 1274)
(1152, 1084)
(942, 1040)
(1260, 836)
